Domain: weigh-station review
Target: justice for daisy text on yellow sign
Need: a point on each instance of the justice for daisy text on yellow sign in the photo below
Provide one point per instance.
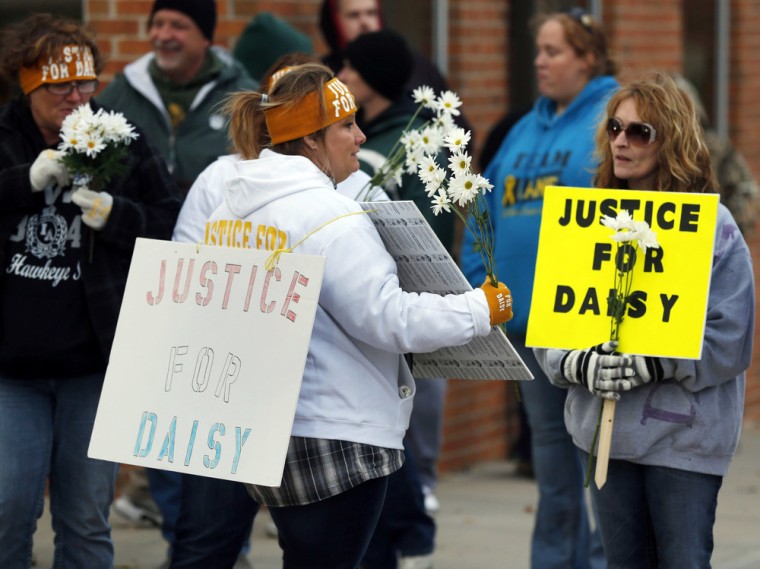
(576, 265)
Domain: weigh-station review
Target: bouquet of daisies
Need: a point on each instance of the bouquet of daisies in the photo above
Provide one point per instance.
(95, 145)
(454, 188)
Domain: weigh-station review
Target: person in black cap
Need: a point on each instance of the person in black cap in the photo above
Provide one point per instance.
(342, 21)
(376, 68)
(172, 93)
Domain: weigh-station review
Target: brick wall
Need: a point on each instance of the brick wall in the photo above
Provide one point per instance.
(479, 420)
(744, 119)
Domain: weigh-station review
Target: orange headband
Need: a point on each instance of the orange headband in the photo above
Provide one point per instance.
(305, 117)
(75, 63)
(277, 75)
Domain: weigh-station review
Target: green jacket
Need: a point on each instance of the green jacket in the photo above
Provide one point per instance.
(202, 136)
(382, 133)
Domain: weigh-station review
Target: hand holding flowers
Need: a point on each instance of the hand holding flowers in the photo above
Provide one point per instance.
(94, 147)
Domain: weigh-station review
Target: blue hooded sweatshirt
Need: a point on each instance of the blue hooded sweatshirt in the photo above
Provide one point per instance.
(542, 149)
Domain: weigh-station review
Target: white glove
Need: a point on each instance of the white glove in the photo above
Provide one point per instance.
(47, 168)
(96, 206)
(597, 367)
(641, 370)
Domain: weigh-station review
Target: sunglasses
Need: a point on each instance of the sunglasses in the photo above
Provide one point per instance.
(637, 133)
(84, 87)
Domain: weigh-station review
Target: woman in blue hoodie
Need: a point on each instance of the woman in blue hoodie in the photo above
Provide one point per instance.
(552, 145)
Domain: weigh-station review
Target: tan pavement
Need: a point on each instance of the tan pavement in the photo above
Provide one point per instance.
(485, 522)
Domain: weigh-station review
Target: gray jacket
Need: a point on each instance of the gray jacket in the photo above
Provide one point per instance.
(692, 420)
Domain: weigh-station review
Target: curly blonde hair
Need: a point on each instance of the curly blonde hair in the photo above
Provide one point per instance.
(684, 158)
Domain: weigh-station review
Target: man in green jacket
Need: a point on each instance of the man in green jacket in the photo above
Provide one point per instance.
(173, 92)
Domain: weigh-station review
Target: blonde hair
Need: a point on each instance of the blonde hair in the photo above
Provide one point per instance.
(247, 128)
(684, 159)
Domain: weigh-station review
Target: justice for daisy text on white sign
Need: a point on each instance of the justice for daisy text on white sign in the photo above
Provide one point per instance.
(207, 361)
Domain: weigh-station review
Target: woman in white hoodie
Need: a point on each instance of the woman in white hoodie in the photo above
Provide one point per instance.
(357, 390)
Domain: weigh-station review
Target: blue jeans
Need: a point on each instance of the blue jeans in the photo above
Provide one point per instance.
(653, 517)
(423, 438)
(331, 533)
(45, 429)
(165, 489)
(562, 538)
(404, 528)
(214, 523)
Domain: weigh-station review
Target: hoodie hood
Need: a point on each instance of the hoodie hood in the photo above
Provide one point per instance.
(599, 88)
(269, 178)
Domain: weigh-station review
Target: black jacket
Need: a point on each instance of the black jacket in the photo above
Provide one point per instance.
(146, 203)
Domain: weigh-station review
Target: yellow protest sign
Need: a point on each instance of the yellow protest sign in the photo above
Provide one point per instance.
(576, 264)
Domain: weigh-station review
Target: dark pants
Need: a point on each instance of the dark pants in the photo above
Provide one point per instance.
(331, 533)
(654, 516)
(405, 528)
(215, 521)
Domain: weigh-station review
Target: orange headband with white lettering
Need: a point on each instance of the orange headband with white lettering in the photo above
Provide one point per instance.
(306, 117)
(74, 63)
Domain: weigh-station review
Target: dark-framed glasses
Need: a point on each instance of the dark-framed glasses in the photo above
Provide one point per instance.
(637, 133)
(84, 87)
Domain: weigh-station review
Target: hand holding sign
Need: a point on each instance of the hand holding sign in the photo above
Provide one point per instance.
(596, 368)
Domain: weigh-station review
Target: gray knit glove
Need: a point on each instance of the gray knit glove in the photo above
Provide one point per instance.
(597, 368)
(640, 371)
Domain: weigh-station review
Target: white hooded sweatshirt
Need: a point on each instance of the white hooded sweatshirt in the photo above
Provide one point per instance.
(356, 385)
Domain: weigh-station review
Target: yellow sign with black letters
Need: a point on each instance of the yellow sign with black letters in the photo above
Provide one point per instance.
(578, 259)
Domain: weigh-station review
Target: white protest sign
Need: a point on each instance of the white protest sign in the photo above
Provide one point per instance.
(206, 365)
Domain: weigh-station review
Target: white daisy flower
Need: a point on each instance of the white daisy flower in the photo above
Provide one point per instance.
(463, 189)
(459, 163)
(457, 140)
(623, 220)
(93, 145)
(411, 139)
(424, 96)
(431, 140)
(441, 202)
(449, 103)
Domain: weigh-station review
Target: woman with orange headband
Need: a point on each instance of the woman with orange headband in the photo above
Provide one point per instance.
(357, 391)
(58, 305)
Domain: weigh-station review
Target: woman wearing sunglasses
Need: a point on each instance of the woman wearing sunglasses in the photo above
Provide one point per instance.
(552, 145)
(677, 421)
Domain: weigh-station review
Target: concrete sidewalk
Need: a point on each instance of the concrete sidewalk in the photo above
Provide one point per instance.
(485, 522)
